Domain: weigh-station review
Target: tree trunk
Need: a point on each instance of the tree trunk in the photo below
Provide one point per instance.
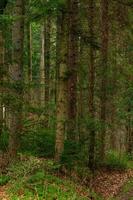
(73, 66)
(91, 87)
(1, 79)
(62, 89)
(47, 68)
(104, 67)
(16, 76)
(58, 33)
(29, 50)
(42, 67)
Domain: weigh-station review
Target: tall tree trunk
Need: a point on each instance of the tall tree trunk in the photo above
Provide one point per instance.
(16, 75)
(58, 33)
(29, 50)
(47, 68)
(1, 79)
(62, 89)
(129, 130)
(73, 66)
(91, 86)
(42, 66)
(104, 67)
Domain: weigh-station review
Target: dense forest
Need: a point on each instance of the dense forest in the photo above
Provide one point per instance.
(66, 99)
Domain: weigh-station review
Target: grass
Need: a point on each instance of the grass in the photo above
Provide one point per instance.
(34, 179)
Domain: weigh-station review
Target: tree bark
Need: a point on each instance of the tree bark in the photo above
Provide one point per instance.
(42, 67)
(104, 67)
(29, 50)
(47, 68)
(91, 86)
(73, 50)
(16, 76)
(1, 79)
(62, 89)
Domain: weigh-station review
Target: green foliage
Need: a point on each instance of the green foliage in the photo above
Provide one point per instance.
(39, 142)
(40, 183)
(71, 154)
(4, 180)
(116, 161)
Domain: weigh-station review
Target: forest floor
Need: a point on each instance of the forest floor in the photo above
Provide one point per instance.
(39, 179)
(110, 184)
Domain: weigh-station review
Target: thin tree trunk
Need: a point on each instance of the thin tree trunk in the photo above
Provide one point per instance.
(47, 68)
(58, 33)
(91, 87)
(42, 66)
(29, 50)
(1, 79)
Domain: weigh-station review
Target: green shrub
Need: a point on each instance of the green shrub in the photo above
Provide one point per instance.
(115, 161)
(71, 154)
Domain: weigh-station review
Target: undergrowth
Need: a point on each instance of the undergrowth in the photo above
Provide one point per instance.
(36, 179)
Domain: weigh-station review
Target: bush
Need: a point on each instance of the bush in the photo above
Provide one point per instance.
(115, 161)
